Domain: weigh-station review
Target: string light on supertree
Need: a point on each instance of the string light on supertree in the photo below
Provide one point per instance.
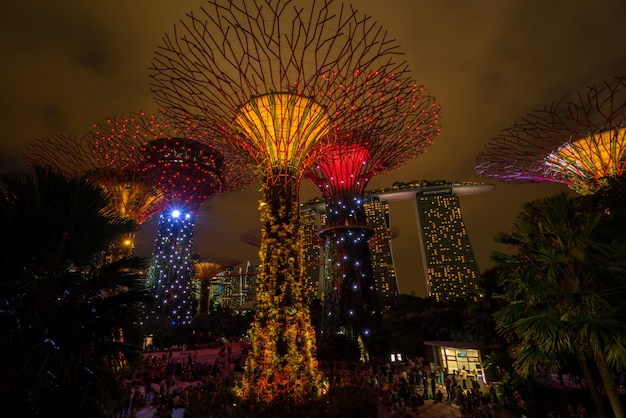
(131, 194)
(579, 141)
(351, 303)
(276, 81)
(187, 172)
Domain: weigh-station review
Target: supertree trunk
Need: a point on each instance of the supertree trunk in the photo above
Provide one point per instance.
(281, 366)
(351, 305)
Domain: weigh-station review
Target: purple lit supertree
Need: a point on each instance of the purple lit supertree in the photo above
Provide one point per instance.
(276, 82)
(131, 193)
(579, 141)
(351, 304)
(187, 172)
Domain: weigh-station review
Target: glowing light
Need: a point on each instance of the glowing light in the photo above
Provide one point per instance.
(587, 160)
(282, 128)
(175, 213)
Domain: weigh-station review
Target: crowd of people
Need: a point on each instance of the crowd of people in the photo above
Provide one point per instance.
(405, 386)
(165, 383)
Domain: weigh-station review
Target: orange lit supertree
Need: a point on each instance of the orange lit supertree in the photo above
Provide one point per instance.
(276, 81)
(351, 303)
(132, 195)
(187, 172)
(579, 140)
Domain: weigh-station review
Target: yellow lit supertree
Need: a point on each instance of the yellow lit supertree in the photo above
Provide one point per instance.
(579, 140)
(276, 81)
(132, 195)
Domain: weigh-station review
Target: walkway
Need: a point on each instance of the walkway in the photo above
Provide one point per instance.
(445, 409)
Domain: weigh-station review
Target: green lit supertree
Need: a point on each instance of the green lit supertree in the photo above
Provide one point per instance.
(276, 82)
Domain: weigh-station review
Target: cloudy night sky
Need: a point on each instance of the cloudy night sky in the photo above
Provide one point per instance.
(67, 64)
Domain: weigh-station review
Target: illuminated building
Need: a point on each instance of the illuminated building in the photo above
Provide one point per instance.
(451, 268)
(384, 270)
(313, 276)
(579, 141)
(276, 81)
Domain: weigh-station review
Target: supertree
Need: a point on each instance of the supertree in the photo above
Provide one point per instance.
(132, 194)
(351, 303)
(579, 141)
(187, 172)
(205, 270)
(276, 81)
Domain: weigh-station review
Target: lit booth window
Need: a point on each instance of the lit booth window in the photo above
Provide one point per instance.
(453, 357)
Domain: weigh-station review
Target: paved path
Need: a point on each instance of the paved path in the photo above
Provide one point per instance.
(444, 409)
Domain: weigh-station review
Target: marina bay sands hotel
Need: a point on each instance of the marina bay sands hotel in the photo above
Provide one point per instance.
(450, 268)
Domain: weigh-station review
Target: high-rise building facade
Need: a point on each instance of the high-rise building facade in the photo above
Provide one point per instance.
(384, 271)
(310, 220)
(451, 270)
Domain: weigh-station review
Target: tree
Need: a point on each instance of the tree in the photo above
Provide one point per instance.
(69, 315)
(564, 287)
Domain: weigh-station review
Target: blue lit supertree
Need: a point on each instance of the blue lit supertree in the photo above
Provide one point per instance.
(187, 172)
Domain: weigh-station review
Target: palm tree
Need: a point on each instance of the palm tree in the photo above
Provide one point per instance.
(564, 291)
(69, 315)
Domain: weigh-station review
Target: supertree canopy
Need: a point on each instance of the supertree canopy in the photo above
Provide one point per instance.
(187, 172)
(205, 270)
(276, 81)
(579, 141)
(342, 173)
(131, 193)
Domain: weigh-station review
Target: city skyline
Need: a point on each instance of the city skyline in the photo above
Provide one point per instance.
(68, 65)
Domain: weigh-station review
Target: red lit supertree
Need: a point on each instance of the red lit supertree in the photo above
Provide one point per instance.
(187, 172)
(276, 81)
(579, 141)
(351, 303)
(132, 195)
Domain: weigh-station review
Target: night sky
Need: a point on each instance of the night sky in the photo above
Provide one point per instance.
(67, 64)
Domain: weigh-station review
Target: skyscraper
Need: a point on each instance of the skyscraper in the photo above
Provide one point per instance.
(451, 270)
(384, 271)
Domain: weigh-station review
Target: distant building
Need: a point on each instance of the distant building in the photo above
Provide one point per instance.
(310, 221)
(377, 212)
(450, 266)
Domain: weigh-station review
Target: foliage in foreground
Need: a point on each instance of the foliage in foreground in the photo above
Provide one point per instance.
(68, 313)
(342, 400)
